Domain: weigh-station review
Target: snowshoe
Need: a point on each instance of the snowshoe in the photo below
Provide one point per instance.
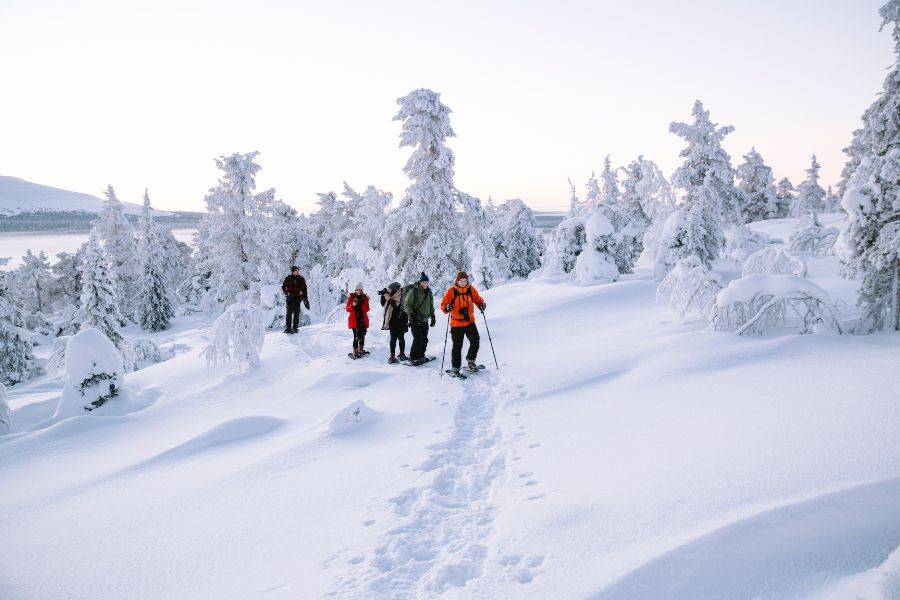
(403, 358)
(474, 368)
(421, 361)
(455, 373)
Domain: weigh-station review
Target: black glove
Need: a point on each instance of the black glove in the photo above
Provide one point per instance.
(306, 303)
(448, 307)
(433, 320)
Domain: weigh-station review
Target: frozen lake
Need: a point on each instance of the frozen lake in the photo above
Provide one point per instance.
(15, 244)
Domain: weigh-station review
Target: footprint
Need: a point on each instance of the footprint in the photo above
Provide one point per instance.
(535, 497)
(510, 560)
(524, 576)
(356, 560)
(520, 385)
(534, 446)
(410, 436)
(368, 523)
(526, 474)
(523, 394)
(517, 414)
(535, 561)
(531, 482)
(404, 465)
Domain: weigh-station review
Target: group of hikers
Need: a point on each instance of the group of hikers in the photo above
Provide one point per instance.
(406, 308)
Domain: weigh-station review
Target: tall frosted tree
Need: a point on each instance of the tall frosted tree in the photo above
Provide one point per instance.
(870, 243)
(574, 202)
(758, 187)
(233, 229)
(609, 185)
(33, 281)
(118, 239)
(784, 198)
(154, 302)
(809, 193)
(711, 199)
(99, 308)
(592, 191)
(426, 234)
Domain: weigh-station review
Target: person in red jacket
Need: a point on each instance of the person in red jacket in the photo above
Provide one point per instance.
(358, 321)
(460, 302)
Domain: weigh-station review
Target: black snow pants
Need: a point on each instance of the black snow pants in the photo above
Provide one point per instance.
(292, 317)
(359, 337)
(420, 340)
(398, 337)
(457, 334)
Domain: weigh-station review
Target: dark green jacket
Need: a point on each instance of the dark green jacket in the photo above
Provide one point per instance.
(419, 303)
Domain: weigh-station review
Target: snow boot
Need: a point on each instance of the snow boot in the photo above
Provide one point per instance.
(403, 357)
(455, 373)
(392, 359)
(472, 365)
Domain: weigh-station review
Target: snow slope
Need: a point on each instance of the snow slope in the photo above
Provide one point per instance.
(617, 453)
(18, 195)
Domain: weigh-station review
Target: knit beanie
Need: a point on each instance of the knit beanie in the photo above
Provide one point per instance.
(423, 277)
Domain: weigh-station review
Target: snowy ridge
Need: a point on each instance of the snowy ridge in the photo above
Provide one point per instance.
(20, 196)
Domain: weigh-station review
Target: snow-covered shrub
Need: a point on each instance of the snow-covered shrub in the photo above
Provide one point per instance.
(690, 288)
(627, 240)
(238, 334)
(146, 352)
(324, 297)
(668, 236)
(568, 240)
(773, 260)
(94, 373)
(5, 415)
(809, 235)
(597, 261)
(741, 242)
(756, 303)
(355, 416)
(522, 242)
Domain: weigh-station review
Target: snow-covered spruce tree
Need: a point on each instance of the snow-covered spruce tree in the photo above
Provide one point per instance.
(592, 193)
(831, 202)
(118, 239)
(568, 240)
(809, 193)
(231, 240)
(523, 244)
(870, 244)
(238, 334)
(99, 308)
(710, 201)
(154, 302)
(327, 228)
(17, 362)
(810, 236)
(32, 281)
(784, 198)
(488, 261)
(609, 184)
(643, 189)
(758, 187)
(574, 202)
(854, 152)
(707, 164)
(741, 242)
(425, 232)
(364, 237)
(5, 415)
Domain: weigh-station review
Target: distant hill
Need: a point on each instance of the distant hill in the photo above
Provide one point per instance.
(20, 196)
(27, 206)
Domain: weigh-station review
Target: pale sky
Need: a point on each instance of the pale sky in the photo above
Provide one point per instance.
(146, 93)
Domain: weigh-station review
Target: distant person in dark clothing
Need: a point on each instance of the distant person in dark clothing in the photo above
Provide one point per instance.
(294, 288)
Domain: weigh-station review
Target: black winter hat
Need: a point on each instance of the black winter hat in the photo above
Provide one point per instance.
(423, 277)
(295, 268)
(394, 286)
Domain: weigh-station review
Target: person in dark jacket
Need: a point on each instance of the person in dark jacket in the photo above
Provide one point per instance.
(395, 320)
(358, 321)
(294, 288)
(419, 305)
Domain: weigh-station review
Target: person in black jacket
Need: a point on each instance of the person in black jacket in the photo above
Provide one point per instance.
(294, 288)
(395, 320)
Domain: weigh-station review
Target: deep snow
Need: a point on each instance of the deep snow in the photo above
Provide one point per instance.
(617, 453)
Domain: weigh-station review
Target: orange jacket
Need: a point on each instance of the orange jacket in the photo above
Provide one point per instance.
(461, 298)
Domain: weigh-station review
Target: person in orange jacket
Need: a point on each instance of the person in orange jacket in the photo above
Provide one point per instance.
(460, 302)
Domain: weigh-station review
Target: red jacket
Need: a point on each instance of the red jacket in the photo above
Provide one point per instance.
(351, 323)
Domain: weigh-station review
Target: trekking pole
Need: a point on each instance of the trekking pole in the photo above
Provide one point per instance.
(444, 355)
(488, 329)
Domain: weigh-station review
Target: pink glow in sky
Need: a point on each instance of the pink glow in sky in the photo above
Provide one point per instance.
(139, 94)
